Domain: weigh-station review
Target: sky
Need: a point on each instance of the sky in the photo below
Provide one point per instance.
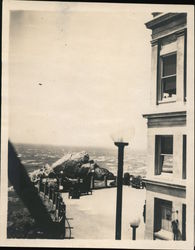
(79, 76)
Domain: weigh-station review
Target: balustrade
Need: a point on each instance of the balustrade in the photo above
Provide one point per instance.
(54, 196)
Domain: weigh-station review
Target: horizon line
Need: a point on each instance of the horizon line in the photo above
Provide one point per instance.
(76, 146)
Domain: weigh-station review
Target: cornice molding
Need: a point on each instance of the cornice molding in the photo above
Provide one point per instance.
(154, 42)
(163, 19)
(181, 32)
(165, 114)
(166, 119)
(164, 187)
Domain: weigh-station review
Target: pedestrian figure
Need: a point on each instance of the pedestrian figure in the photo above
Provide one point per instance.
(174, 225)
(126, 179)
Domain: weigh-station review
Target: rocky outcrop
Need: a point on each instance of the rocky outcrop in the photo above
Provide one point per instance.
(72, 166)
(44, 172)
(99, 173)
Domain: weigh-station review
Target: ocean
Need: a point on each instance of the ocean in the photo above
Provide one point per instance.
(36, 156)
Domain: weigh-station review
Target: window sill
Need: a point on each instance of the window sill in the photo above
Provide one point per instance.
(163, 235)
(166, 175)
(167, 101)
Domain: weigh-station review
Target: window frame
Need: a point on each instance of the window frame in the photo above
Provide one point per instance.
(160, 224)
(161, 78)
(158, 155)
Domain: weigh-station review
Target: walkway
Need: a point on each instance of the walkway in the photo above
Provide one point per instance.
(94, 215)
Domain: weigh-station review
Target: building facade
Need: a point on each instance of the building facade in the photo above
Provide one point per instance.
(166, 206)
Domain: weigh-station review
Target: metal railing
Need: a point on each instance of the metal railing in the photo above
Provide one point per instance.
(53, 196)
(38, 200)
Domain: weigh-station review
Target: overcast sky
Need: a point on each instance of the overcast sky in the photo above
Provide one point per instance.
(79, 75)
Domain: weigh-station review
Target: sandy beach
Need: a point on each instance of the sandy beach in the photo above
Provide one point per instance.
(94, 215)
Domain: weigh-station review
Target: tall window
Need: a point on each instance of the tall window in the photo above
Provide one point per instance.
(168, 77)
(166, 216)
(163, 215)
(183, 221)
(164, 154)
(184, 157)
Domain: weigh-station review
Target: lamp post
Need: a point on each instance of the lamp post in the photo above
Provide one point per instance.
(134, 224)
(120, 146)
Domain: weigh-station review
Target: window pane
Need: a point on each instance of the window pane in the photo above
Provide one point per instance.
(167, 145)
(167, 163)
(169, 86)
(166, 216)
(163, 154)
(162, 215)
(169, 65)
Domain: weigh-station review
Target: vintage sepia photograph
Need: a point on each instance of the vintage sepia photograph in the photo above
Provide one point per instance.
(97, 136)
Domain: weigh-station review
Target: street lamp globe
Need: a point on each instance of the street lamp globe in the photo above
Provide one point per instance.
(134, 224)
(123, 133)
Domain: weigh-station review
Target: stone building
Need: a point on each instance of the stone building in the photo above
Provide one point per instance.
(166, 206)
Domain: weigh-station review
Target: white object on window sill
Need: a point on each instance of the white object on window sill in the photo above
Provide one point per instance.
(163, 235)
(167, 100)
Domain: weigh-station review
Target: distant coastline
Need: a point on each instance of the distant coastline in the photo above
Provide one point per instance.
(34, 156)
